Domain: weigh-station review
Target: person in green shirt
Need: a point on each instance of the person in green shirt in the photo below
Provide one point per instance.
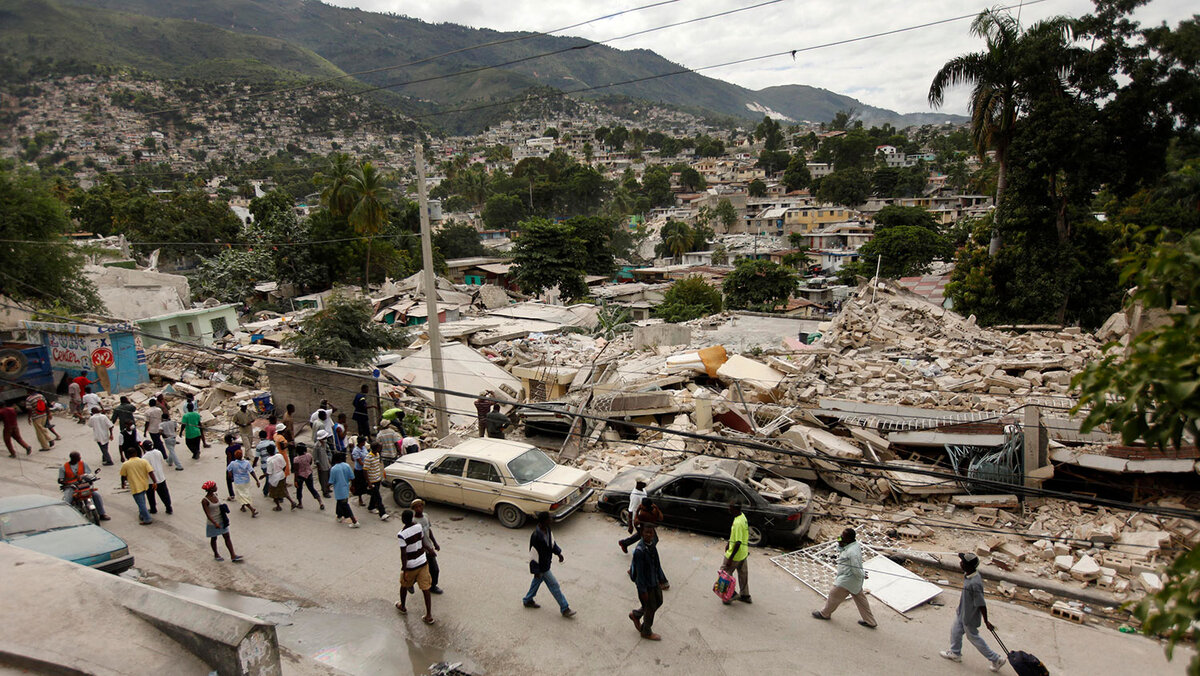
(738, 551)
(192, 431)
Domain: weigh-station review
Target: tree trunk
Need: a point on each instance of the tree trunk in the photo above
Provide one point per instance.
(1001, 184)
(367, 272)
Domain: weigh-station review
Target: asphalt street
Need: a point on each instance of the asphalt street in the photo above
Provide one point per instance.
(349, 578)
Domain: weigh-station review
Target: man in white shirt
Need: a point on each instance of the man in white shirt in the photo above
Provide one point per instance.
(91, 400)
(153, 428)
(277, 489)
(635, 500)
(155, 457)
(101, 432)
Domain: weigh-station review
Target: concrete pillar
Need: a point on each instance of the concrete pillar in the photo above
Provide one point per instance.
(1035, 444)
(703, 414)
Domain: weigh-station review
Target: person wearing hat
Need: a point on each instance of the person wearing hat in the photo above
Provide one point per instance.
(217, 524)
(849, 581)
(971, 610)
(322, 453)
(389, 441)
(244, 420)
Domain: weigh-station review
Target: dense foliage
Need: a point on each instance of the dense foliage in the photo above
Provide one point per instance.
(343, 333)
(688, 299)
(759, 285)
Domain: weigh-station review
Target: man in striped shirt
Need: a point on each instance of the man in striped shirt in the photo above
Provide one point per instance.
(373, 467)
(416, 566)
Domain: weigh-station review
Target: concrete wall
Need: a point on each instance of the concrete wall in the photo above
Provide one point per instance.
(661, 335)
(201, 330)
(137, 294)
(304, 387)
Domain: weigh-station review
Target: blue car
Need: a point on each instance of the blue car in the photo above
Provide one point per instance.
(50, 526)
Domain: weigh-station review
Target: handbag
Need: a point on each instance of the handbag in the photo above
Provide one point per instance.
(725, 586)
(224, 515)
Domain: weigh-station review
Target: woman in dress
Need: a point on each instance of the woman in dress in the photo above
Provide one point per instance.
(218, 523)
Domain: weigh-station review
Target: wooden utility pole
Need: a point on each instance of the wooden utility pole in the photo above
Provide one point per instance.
(435, 334)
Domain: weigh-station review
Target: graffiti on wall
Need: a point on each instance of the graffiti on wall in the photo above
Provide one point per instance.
(78, 351)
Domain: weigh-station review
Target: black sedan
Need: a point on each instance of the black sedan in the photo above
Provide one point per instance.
(695, 495)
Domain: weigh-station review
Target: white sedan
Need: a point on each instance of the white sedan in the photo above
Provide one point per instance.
(510, 479)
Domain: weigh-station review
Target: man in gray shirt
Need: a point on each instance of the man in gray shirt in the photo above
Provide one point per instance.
(430, 542)
(971, 610)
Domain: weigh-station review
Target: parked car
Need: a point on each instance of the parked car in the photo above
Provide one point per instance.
(695, 495)
(551, 418)
(510, 479)
(51, 526)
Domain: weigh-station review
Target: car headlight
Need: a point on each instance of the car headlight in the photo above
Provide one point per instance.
(119, 553)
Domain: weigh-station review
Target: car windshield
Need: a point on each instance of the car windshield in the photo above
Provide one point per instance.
(530, 466)
(39, 519)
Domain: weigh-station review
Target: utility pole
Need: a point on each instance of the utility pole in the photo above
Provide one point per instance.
(435, 334)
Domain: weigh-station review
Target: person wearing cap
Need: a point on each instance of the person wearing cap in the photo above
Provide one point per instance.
(321, 419)
(389, 441)
(284, 447)
(217, 521)
(244, 420)
(972, 609)
(849, 581)
(322, 457)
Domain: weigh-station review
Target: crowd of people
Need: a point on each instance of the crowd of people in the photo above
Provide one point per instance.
(337, 465)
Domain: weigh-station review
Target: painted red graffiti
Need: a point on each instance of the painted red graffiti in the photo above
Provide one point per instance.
(65, 356)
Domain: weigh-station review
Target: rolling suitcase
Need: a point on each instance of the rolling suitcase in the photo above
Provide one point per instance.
(1022, 662)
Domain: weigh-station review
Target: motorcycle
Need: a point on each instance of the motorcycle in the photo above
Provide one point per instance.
(82, 498)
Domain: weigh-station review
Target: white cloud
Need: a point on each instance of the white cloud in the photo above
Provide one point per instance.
(890, 72)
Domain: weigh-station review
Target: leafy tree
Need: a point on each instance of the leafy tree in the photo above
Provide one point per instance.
(769, 132)
(773, 161)
(757, 188)
(598, 235)
(688, 299)
(798, 259)
(503, 212)
(720, 255)
(706, 146)
(552, 132)
(47, 270)
(231, 275)
(459, 240)
(759, 284)
(849, 187)
(370, 210)
(343, 333)
(726, 213)
(550, 254)
(796, 175)
(656, 185)
(690, 179)
(336, 194)
(612, 321)
(906, 250)
(893, 215)
(675, 239)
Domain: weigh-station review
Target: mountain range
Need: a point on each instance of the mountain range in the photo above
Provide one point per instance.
(307, 39)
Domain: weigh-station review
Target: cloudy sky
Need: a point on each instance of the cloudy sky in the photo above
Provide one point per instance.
(891, 71)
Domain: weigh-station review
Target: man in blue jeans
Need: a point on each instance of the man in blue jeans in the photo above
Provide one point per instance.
(971, 611)
(542, 549)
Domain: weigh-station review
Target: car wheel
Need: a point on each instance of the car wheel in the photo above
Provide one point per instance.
(403, 494)
(510, 516)
(623, 514)
(756, 536)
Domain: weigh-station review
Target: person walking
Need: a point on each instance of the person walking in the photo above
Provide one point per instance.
(340, 478)
(129, 439)
(75, 400)
(431, 544)
(302, 471)
(542, 549)
(322, 456)
(153, 426)
(646, 571)
(362, 407)
(389, 440)
(416, 565)
(497, 422)
(242, 472)
(193, 431)
(12, 430)
(373, 469)
(277, 488)
(483, 406)
(358, 456)
(39, 416)
(155, 457)
(102, 434)
(69, 474)
(262, 451)
(972, 609)
(849, 581)
(217, 525)
(231, 449)
(123, 413)
(647, 513)
(321, 419)
(170, 432)
(738, 551)
(140, 476)
(91, 400)
(339, 434)
(289, 423)
(272, 423)
(244, 421)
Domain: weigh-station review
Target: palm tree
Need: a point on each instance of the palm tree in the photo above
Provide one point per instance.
(335, 182)
(370, 210)
(677, 238)
(994, 100)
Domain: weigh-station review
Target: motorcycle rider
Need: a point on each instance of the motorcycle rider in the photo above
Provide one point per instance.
(71, 473)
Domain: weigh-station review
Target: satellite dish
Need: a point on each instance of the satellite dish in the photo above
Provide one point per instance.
(12, 363)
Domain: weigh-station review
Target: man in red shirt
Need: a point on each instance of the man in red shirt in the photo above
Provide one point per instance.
(82, 380)
(9, 415)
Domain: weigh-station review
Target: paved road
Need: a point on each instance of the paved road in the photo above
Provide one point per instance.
(305, 558)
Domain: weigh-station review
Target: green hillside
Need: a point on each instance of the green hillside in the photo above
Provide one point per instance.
(354, 41)
(46, 30)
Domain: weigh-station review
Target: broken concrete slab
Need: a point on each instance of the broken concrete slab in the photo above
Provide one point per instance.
(749, 371)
